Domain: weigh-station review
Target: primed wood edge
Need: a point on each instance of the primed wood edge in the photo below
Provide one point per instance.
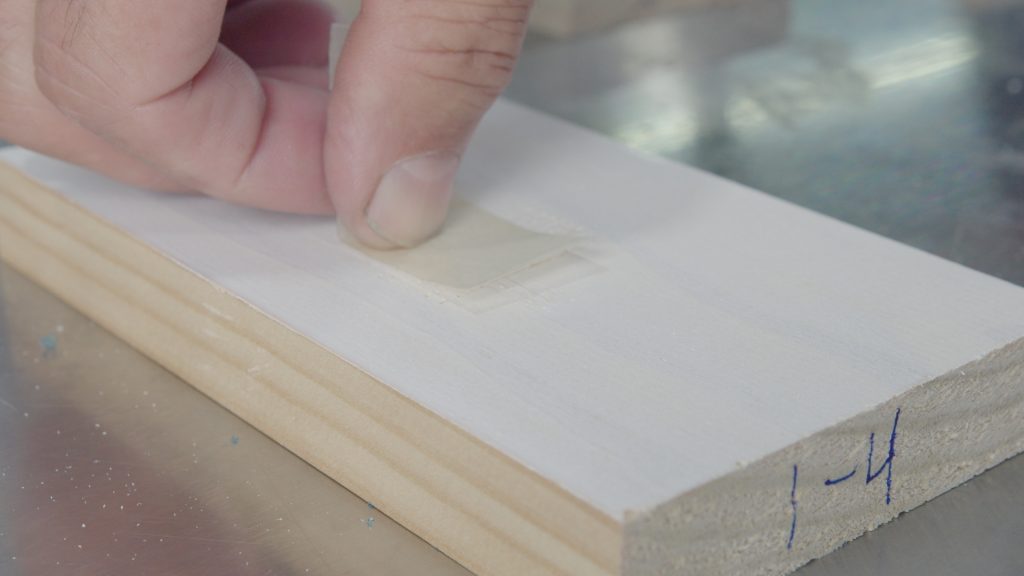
(473, 503)
(206, 451)
(949, 430)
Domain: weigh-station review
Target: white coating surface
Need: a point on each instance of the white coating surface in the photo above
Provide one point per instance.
(725, 324)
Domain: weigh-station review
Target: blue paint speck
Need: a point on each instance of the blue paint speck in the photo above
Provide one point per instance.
(370, 522)
(234, 439)
(48, 344)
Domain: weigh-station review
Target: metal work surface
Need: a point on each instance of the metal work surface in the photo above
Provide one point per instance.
(111, 465)
(905, 118)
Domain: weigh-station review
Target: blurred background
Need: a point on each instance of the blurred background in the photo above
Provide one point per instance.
(904, 117)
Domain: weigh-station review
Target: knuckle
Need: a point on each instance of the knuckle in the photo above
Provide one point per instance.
(63, 68)
(474, 44)
(69, 86)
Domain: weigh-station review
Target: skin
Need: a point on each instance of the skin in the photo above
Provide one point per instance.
(230, 99)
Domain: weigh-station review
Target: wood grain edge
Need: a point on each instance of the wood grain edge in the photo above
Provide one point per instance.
(473, 503)
(949, 430)
(190, 454)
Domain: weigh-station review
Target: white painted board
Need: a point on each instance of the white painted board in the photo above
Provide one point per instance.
(712, 325)
(724, 325)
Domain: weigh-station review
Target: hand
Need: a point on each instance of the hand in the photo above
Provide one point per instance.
(230, 98)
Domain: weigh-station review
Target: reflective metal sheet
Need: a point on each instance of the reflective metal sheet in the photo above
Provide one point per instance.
(111, 465)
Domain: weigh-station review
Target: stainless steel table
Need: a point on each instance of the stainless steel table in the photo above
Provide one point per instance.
(902, 117)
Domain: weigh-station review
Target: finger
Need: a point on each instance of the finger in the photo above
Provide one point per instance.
(150, 77)
(29, 120)
(313, 77)
(412, 84)
(277, 33)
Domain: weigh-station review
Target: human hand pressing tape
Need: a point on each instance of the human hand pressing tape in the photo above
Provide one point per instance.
(230, 98)
(473, 248)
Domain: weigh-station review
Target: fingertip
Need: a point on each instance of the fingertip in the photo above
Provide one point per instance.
(411, 202)
(359, 233)
(408, 94)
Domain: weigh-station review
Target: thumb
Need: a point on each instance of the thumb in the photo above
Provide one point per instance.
(413, 82)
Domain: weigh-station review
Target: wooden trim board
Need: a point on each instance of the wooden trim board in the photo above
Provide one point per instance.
(677, 409)
(188, 454)
(354, 429)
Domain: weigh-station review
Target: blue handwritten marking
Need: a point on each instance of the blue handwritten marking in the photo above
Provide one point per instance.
(872, 474)
(843, 478)
(887, 464)
(792, 503)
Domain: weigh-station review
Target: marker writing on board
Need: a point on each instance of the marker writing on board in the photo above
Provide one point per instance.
(872, 474)
(792, 504)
